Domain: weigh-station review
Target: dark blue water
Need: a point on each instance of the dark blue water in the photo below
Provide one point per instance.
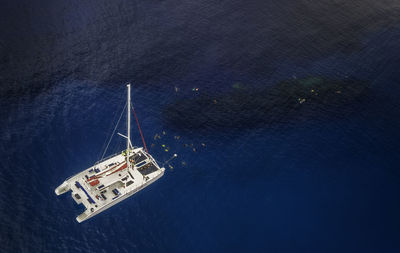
(327, 184)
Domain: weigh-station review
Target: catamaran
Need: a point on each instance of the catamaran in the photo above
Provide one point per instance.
(115, 178)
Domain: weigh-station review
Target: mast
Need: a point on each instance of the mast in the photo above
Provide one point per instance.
(128, 123)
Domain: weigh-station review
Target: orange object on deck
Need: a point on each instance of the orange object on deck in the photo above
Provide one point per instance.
(93, 183)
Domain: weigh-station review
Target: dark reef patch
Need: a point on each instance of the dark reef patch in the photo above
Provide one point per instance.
(288, 101)
(164, 41)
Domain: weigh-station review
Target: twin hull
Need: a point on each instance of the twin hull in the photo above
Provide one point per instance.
(119, 199)
(112, 178)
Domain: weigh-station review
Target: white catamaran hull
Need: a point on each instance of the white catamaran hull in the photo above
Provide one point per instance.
(80, 219)
(113, 179)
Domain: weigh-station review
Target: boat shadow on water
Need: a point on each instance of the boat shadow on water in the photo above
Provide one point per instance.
(286, 103)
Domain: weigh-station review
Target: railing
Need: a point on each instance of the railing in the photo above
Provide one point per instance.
(108, 157)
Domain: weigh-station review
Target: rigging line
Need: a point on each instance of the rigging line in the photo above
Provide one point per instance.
(140, 130)
(109, 130)
(115, 128)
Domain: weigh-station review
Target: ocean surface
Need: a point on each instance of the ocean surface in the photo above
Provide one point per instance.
(330, 183)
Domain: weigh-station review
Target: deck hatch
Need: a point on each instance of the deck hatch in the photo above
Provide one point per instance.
(145, 170)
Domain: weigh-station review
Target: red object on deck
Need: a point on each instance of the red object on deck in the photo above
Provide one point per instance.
(91, 178)
(93, 183)
(120, 168)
